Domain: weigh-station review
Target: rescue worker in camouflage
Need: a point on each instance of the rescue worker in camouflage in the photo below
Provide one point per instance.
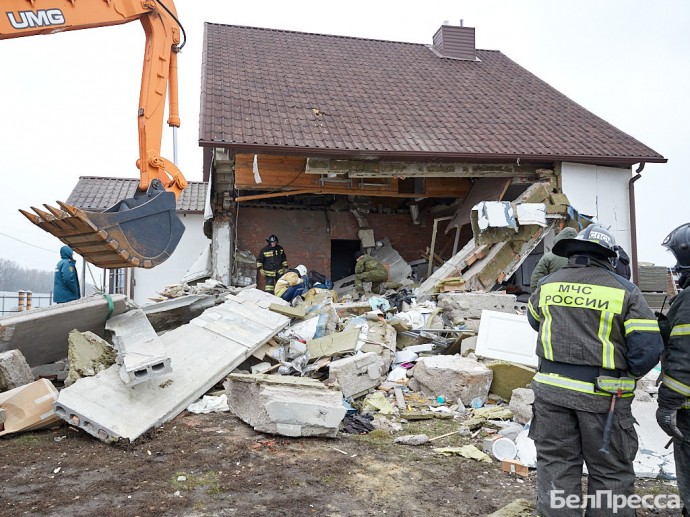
(369, 269)
(596, 335)
(65, 279)
(550, 262)
(673, 414)
(271, 262)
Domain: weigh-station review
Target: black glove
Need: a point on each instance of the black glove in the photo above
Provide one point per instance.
(666, 418)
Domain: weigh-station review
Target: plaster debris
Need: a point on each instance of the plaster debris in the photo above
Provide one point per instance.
(88, 354)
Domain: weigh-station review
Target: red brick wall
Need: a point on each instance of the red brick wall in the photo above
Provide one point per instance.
(306, 234)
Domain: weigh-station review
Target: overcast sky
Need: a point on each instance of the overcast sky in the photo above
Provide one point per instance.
(69, 100)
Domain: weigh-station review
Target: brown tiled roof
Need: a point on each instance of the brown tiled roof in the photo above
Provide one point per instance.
(94, 193)
(279, 91)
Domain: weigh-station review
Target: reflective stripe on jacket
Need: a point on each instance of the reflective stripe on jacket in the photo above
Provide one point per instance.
(675, 361)
(587, 315)
(272, 259)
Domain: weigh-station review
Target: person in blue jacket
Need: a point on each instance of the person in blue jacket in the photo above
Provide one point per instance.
(66, 281)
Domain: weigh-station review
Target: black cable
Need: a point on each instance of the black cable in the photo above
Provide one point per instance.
(184, 34)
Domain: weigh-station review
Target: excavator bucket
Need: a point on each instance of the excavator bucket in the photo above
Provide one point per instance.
(141, 231)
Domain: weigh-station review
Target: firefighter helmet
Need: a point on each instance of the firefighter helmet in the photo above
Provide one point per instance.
(593, 240)
(272, 238)
(302, 270)
(678, 241)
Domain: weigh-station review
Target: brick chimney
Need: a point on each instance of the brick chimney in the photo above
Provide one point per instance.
(455, 41)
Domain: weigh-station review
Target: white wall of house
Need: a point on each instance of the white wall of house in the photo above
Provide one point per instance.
(148, 282)
(601, 192)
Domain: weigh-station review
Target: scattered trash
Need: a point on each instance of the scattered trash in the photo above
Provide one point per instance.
(466, 451)
(210, 404)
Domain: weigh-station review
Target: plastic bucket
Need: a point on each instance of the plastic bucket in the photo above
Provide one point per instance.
(504, 449)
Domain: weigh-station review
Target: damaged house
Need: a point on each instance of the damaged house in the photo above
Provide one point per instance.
(335, 143)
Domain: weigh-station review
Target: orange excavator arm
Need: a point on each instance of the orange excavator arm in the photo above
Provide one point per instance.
(110, 239)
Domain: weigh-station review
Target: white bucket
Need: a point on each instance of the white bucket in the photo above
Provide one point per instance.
(504, 449)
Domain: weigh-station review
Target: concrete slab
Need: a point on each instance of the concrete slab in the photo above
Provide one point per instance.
(202, 353)
(29, 407)
(508, 337)
(140, 352)
(288, 406)
(14, 371)
(41, 334)
(172, 313)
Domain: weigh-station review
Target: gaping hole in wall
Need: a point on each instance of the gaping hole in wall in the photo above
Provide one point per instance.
(343, 257)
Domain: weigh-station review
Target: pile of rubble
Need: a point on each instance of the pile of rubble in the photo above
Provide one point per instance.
(320, 368)
(450, 348)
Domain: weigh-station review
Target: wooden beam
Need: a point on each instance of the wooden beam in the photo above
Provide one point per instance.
(387, 169)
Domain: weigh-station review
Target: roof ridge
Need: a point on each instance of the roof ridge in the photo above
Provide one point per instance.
(122, 179)
(359, 38)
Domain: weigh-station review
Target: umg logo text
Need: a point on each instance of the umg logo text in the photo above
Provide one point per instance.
(40, 18)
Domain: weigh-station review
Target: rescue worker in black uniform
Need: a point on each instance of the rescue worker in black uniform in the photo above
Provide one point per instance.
(673, 414)
(596, 335)
(271, 262)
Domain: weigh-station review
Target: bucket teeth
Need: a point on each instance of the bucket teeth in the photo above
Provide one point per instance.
(68, 208)
(42, 214)
(60, 214)
(31, 217)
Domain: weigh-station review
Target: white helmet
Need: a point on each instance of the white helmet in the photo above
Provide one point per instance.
(302, 270)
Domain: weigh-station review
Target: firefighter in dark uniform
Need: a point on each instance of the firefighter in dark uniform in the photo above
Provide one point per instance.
(673, 414)
(596, 335)
(271, 262)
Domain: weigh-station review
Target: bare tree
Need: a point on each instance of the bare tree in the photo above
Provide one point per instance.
(13, 277)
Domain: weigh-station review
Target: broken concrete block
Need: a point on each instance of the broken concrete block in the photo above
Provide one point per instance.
(203, 352)
(453, 377)
(29, 407)
(333, 344)
(471, 305)
(14, 370)
(358, 374)
(520, 404)
(469, 344)
(59, 370)
(509, 376)
(140, 352)
(88, 355)
(288, 406)
(41, 334)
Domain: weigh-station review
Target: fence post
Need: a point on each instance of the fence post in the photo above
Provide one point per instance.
(29, 296)
(22, 300)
